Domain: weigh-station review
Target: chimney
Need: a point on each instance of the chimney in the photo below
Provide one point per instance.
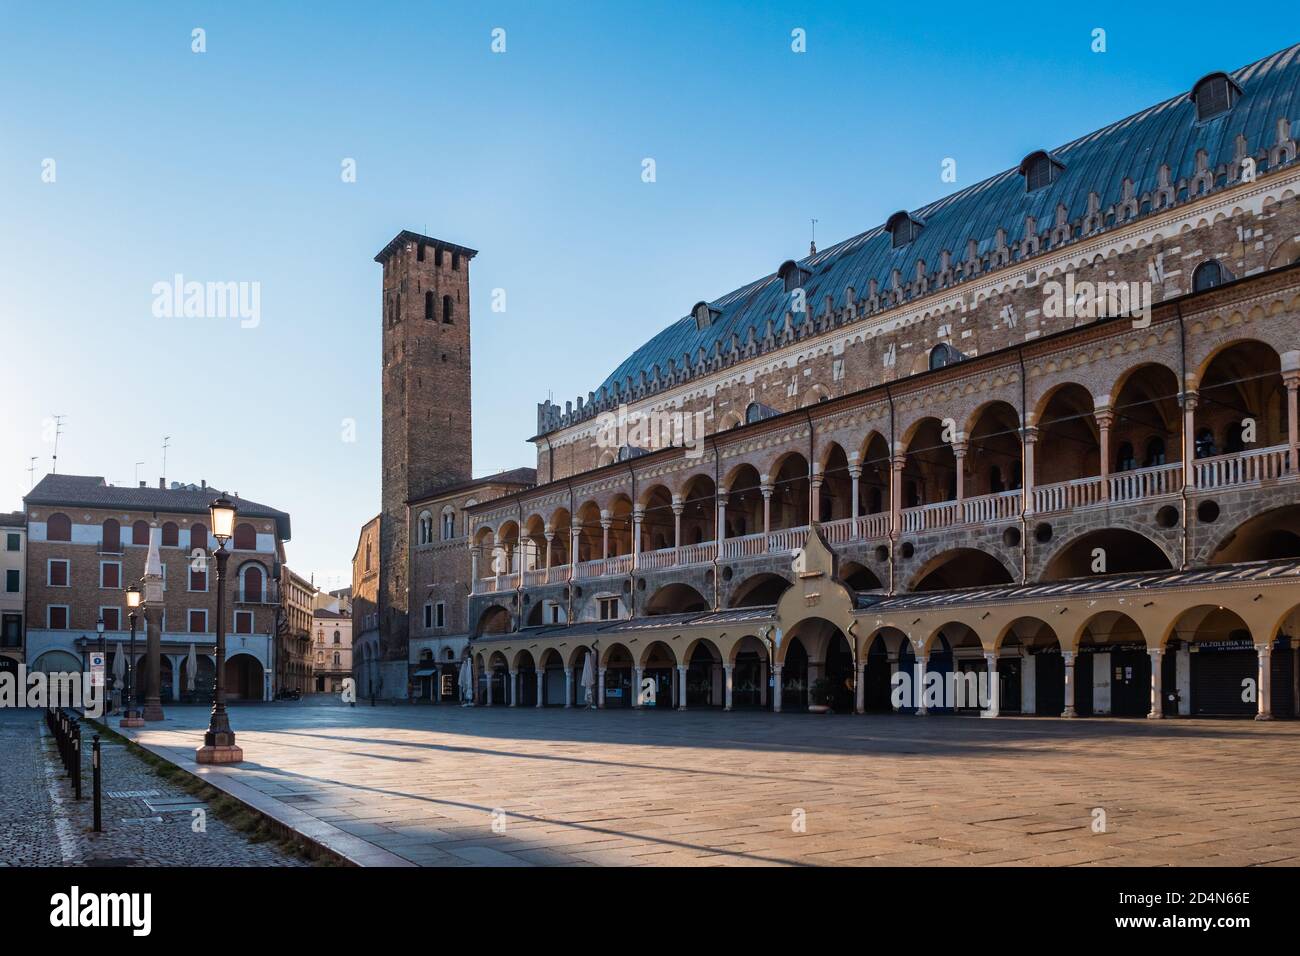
(203, 483)
(142, 484)
(162, 484)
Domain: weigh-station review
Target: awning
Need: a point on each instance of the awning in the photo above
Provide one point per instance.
(426, 672)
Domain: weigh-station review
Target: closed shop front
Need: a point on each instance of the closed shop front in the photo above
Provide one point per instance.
(1049, 682)
(1223, 673)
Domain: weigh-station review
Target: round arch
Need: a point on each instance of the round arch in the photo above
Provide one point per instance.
(676, 598)
(759, 590)
(1106, 551)
(494, 619)
(961, 568)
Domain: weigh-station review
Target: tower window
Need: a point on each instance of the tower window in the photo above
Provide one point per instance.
(448, 310)
(428, 305)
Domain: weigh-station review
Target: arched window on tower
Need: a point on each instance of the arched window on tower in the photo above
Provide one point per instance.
(429, 305)
(448, 310)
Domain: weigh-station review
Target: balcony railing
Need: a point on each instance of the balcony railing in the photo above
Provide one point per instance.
(1239, 469)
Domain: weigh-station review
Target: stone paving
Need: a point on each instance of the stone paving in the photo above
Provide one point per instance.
(147, 820)
(451, 786)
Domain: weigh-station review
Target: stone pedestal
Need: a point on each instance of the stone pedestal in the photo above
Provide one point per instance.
(207, 754)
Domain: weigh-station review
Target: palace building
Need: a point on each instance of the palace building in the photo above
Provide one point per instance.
(1044, 430)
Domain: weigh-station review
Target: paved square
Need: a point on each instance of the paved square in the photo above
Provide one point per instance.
(427, 784)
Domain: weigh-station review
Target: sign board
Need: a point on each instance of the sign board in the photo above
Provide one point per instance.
(97, 668)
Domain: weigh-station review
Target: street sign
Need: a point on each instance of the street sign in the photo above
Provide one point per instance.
(97, 668)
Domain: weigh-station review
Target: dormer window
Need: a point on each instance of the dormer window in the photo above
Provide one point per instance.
(1214, 95)
(1209, 274)
(902, 229)
(1040, 169)
(943, 354)
(704, 315)
(792, 275)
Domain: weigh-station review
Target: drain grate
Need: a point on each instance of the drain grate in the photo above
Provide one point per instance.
(127, 794)
(297, 798)
(140, 821)
(173, 804)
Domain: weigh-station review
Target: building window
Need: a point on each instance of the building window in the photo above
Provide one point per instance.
(110, 574)
(1039, 170)
(609, 609)
(58, 528)
(243, 622)
(56, 575)
(13, 581)
(448, 310)
(425, 528)
(902, 229)
(428, 616)
(140, 533)
(171, 535)
(943, 354)
(13, 541)
(448, 523)
(11, 630)
(429, 307)
(198, 621)
(1213, 96)
(338, 637)
(337, 658)
(440, 614)
(112, 618)
(1207, 275)
(111, 539)
(245, 537)
(56, 617)
(250, 588)
(198, 538)
(198, 578)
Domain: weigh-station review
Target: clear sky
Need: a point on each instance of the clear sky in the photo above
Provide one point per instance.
(226, 166)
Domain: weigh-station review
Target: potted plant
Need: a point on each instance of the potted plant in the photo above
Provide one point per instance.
(822, 694)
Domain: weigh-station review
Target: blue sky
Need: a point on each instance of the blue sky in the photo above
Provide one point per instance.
(225, 166)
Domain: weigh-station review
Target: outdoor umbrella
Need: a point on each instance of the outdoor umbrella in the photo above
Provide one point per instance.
(191, 665)
(466, 682)
(119, 666)
(588, 678)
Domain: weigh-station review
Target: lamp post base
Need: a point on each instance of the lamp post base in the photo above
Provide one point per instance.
(131, 720)
(218, 754)
(153, 710)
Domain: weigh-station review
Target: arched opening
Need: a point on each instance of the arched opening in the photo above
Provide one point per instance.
(658, 526)
(620, 526)
(1041, 667)
(1068, 440)
(759, 590)
(495, 619)
(1241, 401)
(1106, 551)
(506, 548)
(1112, 670)
(1210, 667)
(704, 677)
(957, 660)
(930, 468)
(583, 696)
(794, 676)
(552, 678)
(790, 491)
(744, 503)
(676, 598)
(961, 568)
(205, 680)
(561, 530)
(1270, 536)
(699, 506)
(243, 677)
(526, 669)
(619, 691)
(532, 546)
(751, 675)
(859, 577)
(498, 675)
(874, 484)
(590, 533)
(659, 664)
(1147, 429)
(835, 498)
(992, 463)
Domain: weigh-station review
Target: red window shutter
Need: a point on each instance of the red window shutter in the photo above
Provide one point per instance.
(59, 618)
(198, 580)
(112, 577)
(198, 622)
(112, 536)
(171, 535)
(112, 619)
(58, 528)
(245, 537)
(58, 573)
(253, 584)
(140, 533)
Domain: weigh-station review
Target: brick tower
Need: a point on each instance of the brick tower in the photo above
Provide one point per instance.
(427, 438)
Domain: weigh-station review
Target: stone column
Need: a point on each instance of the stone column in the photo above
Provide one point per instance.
(859, 689)
(637, 677)
(606, 521)
(678, 507)
(765, 488)
(1264, 685)
(855, 476)
(550, 548)
(1069, 711)
(568, 687)
(727, 670)
(959, 454)
(1292, 381)
(1028, 439)
(153, 615)
(638, 516)
(681, 692)
(574, 538)
(1157, 684)
(815, 502)
(600, 688)
(893, 669)
(918, 690)
(1105, 417)
(776, 687)
(720, 518)
(995, 689)
(514, 688)
(1189, 401)
(541, 686)
(473, 568)
(896, 465)
(489, 673)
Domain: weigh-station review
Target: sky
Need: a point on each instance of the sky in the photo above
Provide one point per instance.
(128, 158)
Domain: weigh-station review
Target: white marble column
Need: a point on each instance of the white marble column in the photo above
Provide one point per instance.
(514, 688)
(600, 692)
(919, 690)
(1264, 685)
(541, 686)
(637, 677)
(727, 678)
(681, 681)
(1157, 678)
(995, 704)
(568, 687)
(1069, 711)
(776, 688)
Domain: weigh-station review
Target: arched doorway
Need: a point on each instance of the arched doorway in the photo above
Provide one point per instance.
(1112, 671)
(794, 676)
(750, 675)
(659, 664)
(704, 675)
(243, 677)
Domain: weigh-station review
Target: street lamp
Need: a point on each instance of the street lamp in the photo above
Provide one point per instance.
(219, 741)
(131, 717)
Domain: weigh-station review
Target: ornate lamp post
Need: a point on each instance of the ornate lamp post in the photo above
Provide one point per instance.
(219, 741)
(130, 716)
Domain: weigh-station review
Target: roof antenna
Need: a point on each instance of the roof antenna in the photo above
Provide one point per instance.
(31, 473)
(166, 441)
(812, 246)
(58, 430)
(137, 472)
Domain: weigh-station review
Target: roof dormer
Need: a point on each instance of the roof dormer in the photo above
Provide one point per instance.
(902, 228)
(1214, 94)
(1040, 168)
(792, 275)
(704, 315)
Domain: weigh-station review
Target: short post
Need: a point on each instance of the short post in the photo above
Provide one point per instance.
(94, 783)
(76, 761)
